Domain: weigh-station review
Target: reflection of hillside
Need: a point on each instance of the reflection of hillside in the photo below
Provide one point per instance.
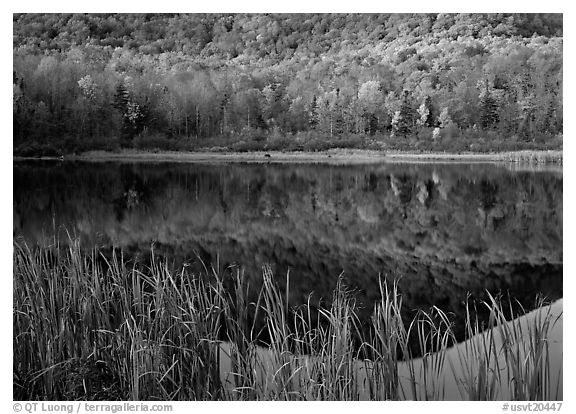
(446, 229)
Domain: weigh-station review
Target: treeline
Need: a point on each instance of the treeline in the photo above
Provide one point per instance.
(242, 82)
(255, 36)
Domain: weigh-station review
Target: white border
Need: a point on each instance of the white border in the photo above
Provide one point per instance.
(356, 6)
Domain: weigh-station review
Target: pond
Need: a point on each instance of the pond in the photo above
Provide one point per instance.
(442, 230)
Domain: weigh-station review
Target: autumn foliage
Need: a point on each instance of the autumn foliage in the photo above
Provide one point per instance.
(255, 81)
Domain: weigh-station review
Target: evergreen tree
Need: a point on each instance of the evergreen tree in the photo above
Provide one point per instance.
(527, 108)
(313, 113)
(224, 104)
(371, 122)
(548, 123)
(134, 116)
(121, 98)
(338, 111)
(488, 110)
(122, 104)
(404, 118)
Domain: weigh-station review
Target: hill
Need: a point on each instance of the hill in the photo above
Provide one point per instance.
(263, 81)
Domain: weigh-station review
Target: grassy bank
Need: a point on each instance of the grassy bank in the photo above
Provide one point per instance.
(87, 327)
(332, 156)
(461, 142)
(523, 157)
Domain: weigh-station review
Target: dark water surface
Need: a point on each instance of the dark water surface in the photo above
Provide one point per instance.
(444, 229)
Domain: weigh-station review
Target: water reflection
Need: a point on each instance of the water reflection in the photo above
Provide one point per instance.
(445, 230)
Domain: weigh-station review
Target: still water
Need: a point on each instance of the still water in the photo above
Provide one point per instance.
(442, 230)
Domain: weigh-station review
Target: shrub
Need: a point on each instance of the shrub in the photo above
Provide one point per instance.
(158, 141)
(247, 146)
(253, 134)
(352, 141)
(280, 143)
(317, 144)
(36, 149)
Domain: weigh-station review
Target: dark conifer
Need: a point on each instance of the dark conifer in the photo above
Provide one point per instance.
(488, 110)
(406, 120)
(313, 113)
(431, 115)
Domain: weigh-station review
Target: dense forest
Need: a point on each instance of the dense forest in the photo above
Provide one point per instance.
(457, 82)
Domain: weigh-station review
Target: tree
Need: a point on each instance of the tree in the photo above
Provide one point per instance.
(423, 113)
(313, 113)
(426, 113)
(88, 106)
(527, 108)
(245, 107)
(371, 101)
(328, 112)
(133, 115)
(488, 109)
(404, 118)
(444, 120)
(329, 73)
(121, 98)
(272, 105)
(298, 116)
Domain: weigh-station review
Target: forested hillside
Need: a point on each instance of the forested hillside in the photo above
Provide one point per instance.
(252, 81)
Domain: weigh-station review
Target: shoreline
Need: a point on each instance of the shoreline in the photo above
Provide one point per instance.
(332, 156)
(453, 390)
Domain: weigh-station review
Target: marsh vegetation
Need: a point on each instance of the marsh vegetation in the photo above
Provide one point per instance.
(91, 327)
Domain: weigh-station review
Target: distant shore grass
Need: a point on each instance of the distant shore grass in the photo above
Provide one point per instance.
(529, 157)
(335, 156)
(87, 327)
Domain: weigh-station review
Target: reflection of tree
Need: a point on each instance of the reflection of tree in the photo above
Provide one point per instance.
(403, 188)
(443, 183)
(133, 190)
(487, 199)
(350, 206)
(488, 192)
(425, 195)
(132, 198)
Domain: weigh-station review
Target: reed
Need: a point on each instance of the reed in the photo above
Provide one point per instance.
(91, 327)
(533, 157)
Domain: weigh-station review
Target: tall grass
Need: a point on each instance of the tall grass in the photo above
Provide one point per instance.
(90, 327)
(533, 156)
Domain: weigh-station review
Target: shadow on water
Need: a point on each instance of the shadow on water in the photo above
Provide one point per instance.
(443, 231)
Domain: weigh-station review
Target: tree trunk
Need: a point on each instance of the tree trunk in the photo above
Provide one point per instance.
(197, 122)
